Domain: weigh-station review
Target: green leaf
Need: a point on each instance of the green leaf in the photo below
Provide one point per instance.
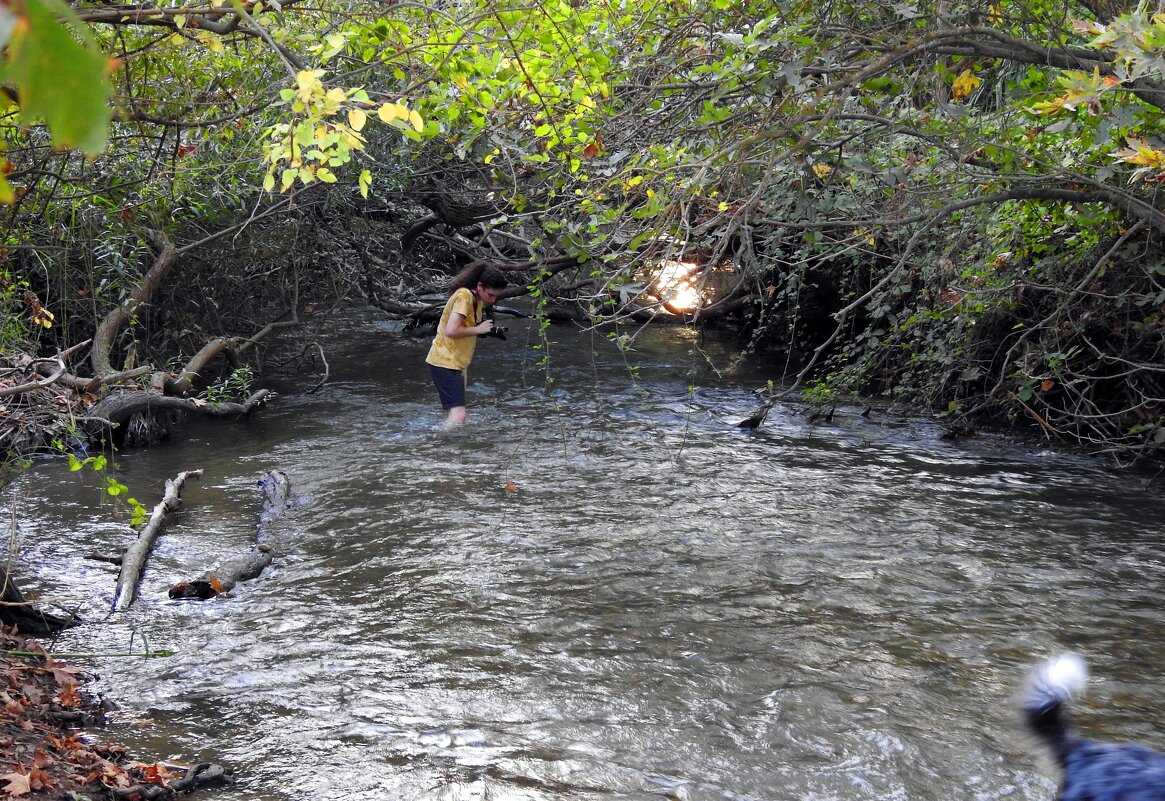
(305, 133)
(60, 79)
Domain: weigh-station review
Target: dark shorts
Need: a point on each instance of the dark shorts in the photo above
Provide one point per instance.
(450, 386)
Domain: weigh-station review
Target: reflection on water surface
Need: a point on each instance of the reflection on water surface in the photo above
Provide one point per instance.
(663, 607)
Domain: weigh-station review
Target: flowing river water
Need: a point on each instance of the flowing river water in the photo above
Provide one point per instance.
(602, 589)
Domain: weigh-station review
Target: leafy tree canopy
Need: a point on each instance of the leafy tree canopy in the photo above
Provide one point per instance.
(954, 203)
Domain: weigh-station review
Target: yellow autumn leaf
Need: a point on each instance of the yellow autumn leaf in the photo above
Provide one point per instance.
(1050, 107)
(391, 112)
(309, 83)
(349, 138)
(212, 43)
(1141, 153)
(964, 85)
(356, 119)
(416, 121)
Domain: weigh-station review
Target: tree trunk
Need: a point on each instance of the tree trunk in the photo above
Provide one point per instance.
(225, 577)
(109, 327)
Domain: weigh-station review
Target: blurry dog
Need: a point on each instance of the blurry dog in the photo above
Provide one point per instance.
(1092, 771)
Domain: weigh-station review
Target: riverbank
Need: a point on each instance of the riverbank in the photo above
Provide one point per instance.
(44, 712)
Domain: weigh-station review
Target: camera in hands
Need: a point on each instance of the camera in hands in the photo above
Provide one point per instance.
(499, 331)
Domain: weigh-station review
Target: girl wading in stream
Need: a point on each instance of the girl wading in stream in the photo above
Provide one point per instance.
(462, 322)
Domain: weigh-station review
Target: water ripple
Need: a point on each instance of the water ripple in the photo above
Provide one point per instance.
(603, 590)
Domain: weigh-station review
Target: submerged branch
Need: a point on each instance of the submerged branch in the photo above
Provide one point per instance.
(276, 499)
(134, 561)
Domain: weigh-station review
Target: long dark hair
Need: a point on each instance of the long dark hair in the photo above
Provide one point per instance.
(478, 273)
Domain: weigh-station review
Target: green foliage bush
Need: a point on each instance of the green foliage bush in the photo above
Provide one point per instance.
(944, 210)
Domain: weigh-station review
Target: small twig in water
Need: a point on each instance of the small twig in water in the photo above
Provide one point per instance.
(94, 655)
(327, 370)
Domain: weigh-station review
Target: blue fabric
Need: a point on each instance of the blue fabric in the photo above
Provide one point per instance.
(450, 386)
(1113, 772)
(1092, 771)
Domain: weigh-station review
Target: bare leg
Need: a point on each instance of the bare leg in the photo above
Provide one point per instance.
(455, 418)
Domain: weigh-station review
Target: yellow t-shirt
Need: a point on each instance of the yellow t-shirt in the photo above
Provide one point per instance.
(456, 354)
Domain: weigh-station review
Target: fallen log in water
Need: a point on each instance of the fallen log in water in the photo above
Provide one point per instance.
(115, 411)
(26, 616)
(225, 577)
(276, 498)
(134, 560)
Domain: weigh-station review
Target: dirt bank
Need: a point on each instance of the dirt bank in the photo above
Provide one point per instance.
(44, 751)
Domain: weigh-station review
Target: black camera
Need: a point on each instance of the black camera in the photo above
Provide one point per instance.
(498, 331)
